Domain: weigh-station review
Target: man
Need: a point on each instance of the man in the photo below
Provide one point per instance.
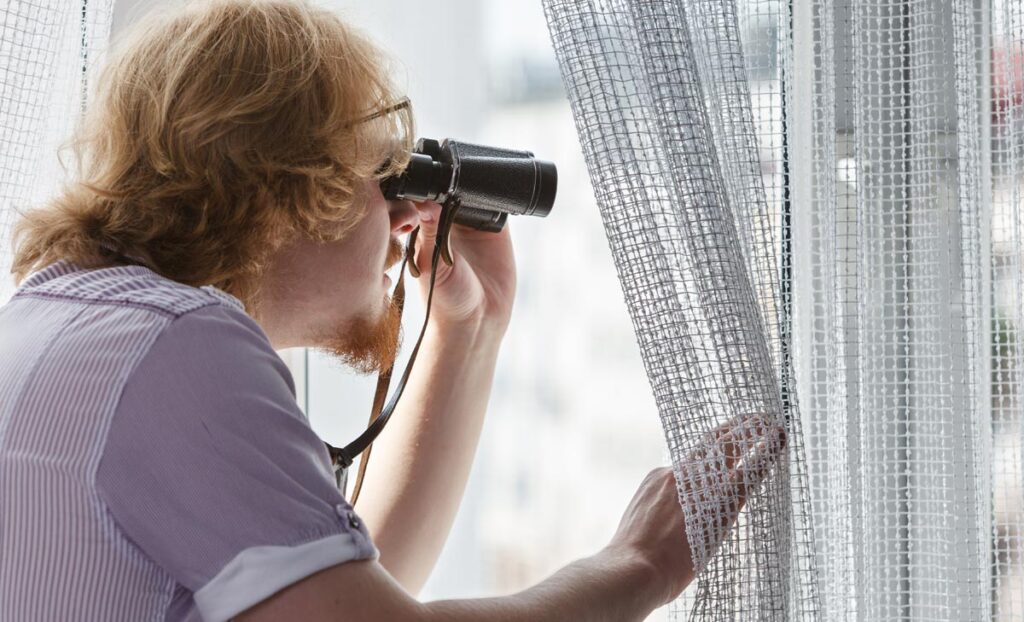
(153, 461)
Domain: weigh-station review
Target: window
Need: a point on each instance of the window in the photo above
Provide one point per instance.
(572, 426)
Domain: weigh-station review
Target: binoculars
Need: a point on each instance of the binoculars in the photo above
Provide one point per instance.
(484, 184)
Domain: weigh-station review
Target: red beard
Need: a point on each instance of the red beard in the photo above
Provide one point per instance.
(364, 345)
(369, 346)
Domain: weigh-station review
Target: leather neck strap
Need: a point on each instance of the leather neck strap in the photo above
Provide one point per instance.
(342, 457)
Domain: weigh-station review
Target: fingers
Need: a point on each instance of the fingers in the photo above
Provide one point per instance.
(757, 463)
(713, 438)
(742, 437)
(719, 476)
(755, 467)
(728, 442)
(429, 214)
(735, 458)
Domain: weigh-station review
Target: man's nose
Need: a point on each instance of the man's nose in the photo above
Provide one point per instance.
(404, 217)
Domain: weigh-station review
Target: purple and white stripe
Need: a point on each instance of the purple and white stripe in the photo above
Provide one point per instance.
(80, 351)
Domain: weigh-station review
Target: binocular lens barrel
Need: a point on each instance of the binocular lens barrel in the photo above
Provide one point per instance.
(489, 183)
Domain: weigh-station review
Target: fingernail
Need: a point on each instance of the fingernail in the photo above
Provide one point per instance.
(426, 216)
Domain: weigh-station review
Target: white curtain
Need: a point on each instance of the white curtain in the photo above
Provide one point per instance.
(813, 207)
(49, 51)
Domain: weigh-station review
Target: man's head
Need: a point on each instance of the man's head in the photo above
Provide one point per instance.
(238, 143)
(334, 295)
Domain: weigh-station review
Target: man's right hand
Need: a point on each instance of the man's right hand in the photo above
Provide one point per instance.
(647, 563)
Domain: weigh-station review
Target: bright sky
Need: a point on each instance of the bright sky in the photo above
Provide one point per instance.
(516, 28)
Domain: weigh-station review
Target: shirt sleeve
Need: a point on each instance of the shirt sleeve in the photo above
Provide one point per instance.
(211, 469)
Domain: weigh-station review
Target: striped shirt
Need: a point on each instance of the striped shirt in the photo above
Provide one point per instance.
(154, 464)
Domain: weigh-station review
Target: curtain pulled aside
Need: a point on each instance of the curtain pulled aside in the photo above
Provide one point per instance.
(813, 208)
(662, 105)
(49, 50)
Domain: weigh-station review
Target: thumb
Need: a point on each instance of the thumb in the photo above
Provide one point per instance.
(429, 215)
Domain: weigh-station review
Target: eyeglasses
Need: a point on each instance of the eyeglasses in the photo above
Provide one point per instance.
(402, 104)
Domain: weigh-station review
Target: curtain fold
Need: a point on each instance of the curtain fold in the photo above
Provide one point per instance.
(49, 50)
(662, 105)
(813, 207)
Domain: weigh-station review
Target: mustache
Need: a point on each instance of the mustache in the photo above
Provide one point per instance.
(395, 253)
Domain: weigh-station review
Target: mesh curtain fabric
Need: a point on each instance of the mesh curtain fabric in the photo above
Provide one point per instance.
(814, 210)
(49, 50)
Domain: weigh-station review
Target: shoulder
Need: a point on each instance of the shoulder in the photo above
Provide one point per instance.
(133, 286)
(216, 350)
(180, 331)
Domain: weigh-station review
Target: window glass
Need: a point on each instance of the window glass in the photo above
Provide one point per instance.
(572, 427)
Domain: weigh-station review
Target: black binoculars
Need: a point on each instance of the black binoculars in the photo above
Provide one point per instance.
(484, 184)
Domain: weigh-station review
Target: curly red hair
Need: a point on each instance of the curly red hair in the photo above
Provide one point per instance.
(217, 134)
